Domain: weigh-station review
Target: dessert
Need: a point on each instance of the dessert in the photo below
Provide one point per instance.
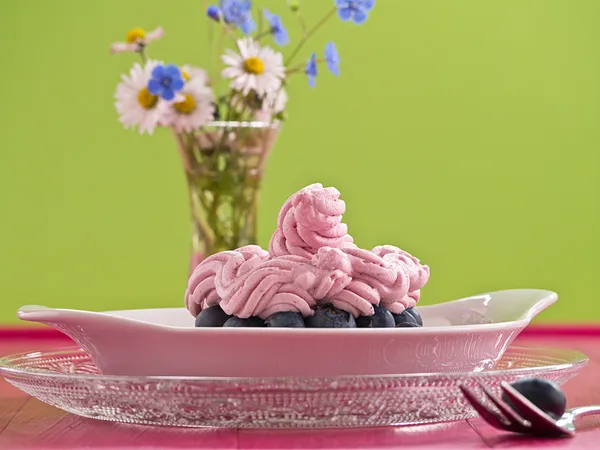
(313, 275)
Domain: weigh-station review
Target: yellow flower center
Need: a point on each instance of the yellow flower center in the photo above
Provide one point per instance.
(187, 106)
(146, 99)
(135, 35)
(254, 65)
(185, 75)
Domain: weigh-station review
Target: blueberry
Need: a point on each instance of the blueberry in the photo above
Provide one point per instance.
(408, 325)
(413, 312)
(285, 320)
(542, 393)
(381, 319)
(327, 316)
(212, 317)
(405, 319)
(246, 323)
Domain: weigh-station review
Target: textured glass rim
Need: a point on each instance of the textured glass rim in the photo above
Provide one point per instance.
(573, 359)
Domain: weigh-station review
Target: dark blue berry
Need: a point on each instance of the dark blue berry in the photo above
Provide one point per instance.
(413, 312)
(285, 320)
(405, 319)
(382, 318)
(542, 393)
(327, 316)
(408, 325)
(212, 317)
(246, 323)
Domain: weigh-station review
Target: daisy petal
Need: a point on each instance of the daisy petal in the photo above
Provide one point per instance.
(120, 47)
(155, 34)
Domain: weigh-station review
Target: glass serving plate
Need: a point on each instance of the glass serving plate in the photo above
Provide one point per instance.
(69, 380)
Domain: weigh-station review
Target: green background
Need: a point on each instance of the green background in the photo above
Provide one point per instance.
(464, 131)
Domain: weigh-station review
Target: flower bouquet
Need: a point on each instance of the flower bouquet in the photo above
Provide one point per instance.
(224, 137)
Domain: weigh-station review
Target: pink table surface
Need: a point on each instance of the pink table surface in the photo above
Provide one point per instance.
(29, 423)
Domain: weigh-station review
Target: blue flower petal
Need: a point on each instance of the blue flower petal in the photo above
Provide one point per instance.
(344, 14)
(359, 16)
(177, 84)
(341, 3)
(311, 70)
(332, 58)
(172, 71)
(368, 4)
(238, 13)
(154, 86)
(281, 38)
(214, 12)
(247, 25)
(245, 5)
(167, 94)
(157, 72)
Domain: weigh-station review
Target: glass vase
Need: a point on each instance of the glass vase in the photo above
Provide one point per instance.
(224, 165)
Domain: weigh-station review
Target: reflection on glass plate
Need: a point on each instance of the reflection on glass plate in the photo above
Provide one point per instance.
(68, 379)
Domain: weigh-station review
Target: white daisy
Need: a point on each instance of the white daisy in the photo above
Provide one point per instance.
(135, 105)
(272, 104)
(275, 101)
(254, 68)
(191, 73)
(192, 108)
(136, 40)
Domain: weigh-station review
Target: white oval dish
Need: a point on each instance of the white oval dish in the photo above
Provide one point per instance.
(469, 334)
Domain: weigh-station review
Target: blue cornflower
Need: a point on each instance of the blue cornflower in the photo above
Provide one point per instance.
(238, 12)
(311, 70)
(355, 10)
(332, 57)
(278, 31)
(165, 81)
(214, 12)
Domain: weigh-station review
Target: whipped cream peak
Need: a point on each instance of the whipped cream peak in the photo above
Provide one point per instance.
(310, 219)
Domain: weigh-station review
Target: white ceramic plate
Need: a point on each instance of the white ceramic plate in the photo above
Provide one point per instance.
(467, 335)
(69, 380)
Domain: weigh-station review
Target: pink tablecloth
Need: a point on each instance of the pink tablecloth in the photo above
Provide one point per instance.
(28, 423)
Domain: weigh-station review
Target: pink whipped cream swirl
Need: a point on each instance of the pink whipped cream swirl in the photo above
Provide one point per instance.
(417, 273)
(244, 283)
(216, 273)
(313, 261)
(308, 220)
(374, 281)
